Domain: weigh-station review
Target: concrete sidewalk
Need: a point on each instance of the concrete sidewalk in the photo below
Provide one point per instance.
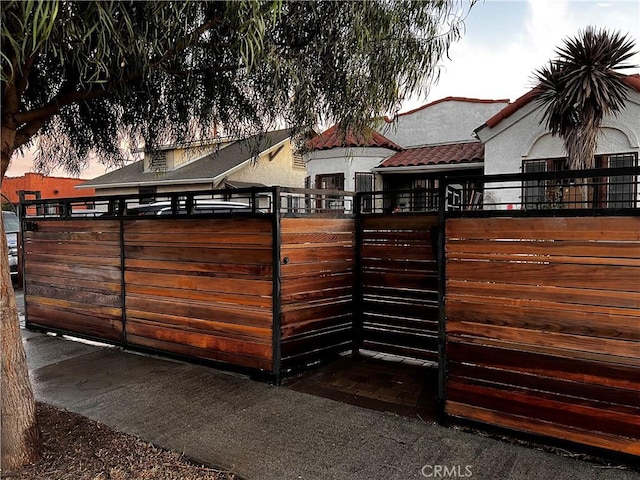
(265, 432)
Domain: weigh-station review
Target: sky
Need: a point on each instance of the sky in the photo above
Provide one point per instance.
(504, 42)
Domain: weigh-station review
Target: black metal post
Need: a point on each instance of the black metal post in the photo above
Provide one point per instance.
(442, 318)
(123, 289)
(358, 302)
(277, 287)
(22, 213)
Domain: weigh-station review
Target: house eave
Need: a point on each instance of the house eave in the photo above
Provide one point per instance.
(182, 181)
(429, 168)
(186, 181)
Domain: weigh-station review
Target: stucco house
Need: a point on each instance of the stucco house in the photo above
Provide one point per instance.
(37, 185)
(515, 141)
(261, 160)
(407, 153)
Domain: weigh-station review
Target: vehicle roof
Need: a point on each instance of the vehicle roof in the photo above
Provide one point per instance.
(10, 220)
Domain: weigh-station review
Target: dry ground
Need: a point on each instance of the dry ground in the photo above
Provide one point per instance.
(76, 448)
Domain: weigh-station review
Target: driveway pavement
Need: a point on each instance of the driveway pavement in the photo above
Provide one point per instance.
(265, 432)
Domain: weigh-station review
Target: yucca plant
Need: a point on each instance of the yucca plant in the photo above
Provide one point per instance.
(580, 87)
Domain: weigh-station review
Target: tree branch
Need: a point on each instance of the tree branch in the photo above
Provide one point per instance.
(186, 41)
(27, 131)
(23, 78)
(39, 116)
(57, 103)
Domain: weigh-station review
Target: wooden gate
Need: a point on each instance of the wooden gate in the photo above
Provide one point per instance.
(399, 284)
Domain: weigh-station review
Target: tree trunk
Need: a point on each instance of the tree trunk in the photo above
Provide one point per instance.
(20, 433)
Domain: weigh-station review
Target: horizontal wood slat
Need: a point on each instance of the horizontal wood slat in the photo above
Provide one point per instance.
(409, 223)
(549, 407)
(593, 321)
(558, 295)
(202, 283)
(550, 250)
(189, 226)
(74, 227)
(399, 285)
(111, 237)
(201, 287)
(207, 352)
(73, 277)
(543, 326)
(317, 261)
(521, 272)
(585, 436)
(608, 229)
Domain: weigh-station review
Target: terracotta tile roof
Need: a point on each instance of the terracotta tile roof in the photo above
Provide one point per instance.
(632, 80)
(512, 108)
(452, 153)
(331, 139)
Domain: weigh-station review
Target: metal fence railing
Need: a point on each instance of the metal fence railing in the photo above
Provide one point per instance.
(316, 201)
(232, 201)
(597, 189)
(268, 200)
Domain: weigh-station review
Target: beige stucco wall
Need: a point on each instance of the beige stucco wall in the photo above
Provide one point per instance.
(272, 170)
(181, 156)
(161, 189)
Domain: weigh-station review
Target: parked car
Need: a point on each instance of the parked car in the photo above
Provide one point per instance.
(11, 228)
(200, 206)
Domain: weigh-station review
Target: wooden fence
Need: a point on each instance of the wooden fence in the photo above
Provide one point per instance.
(236, 290)
(317, 268)
(543, 326)
(540, 329)
(72, 274)
(399, 284)
(201, 288)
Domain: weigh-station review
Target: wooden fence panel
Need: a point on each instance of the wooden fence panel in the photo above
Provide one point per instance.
(543, 326)
(201, 288)
(399, 277)
(73, 277)
(317, 270)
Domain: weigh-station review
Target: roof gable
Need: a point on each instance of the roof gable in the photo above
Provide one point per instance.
(331, 138)
(633, 81)
(447, 99)
(206, 168)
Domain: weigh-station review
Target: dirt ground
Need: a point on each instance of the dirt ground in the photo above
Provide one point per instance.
(76, 448)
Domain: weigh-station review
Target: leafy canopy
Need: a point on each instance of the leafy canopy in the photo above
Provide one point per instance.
(580, 87)
(92, 77)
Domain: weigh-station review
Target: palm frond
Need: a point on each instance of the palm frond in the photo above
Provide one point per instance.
(583, 85)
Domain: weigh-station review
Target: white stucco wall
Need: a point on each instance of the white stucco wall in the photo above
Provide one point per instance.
(520, 137)
(443, 122)
(347, 161)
